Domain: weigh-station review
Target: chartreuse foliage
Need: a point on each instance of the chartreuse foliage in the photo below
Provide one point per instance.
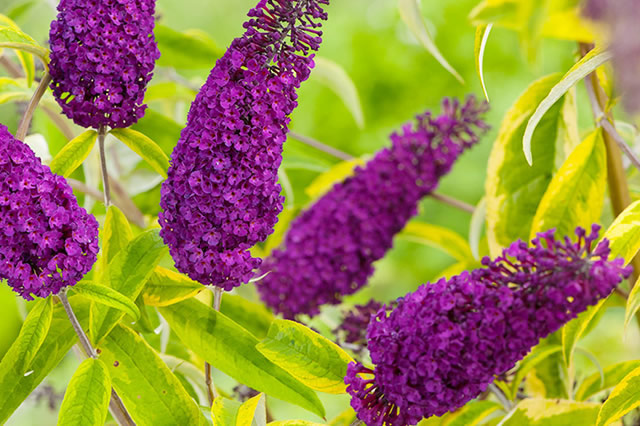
(154, 327)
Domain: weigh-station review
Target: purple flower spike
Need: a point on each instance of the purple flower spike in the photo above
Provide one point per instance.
(102, 57)
(47, 241)
(222, 195)
(330, 248)
(444, 343)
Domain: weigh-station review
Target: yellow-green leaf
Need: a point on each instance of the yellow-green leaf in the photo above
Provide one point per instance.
(624, 233)
(232, 349)
(252, 412)
(152, 394)
(336, 78)
(72, 155)
(107, 296)
(166, 287)
(254, 317)
(412, 16)
(576, 193)
(34, 330)
(633, 303)
(325, 181)
(513, 189)
(438, 237)
(116, 233)
(580, 70)
(13, 90)
(293, 423)
(309, 357)
(86, 400)
(622, 399)
(13, 38)
(225, 411)
(536, 356)
(612, 376)
(482, 36)
(472, 414)
(145, 148)
(552, 412)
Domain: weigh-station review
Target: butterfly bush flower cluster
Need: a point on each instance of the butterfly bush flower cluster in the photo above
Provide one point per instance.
(47, 241)
(329, 249)
(622, 18)
(102, 57)
(222, 195)
(443, 344)
(352, 330)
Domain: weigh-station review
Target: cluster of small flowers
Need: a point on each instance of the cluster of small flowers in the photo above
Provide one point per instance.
(330, 248)
(621, 18)
(46, 240)
(352, 330)
(102, 57)
(222, 195)
(444, 343)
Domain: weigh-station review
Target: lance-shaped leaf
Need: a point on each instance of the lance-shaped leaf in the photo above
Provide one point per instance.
(188, 50)
(231, 349)
(633, 303)
(551, 412)
(325, 181)
(14, 38)
(482, 36)
(166, 287)
(116, 234)
(622, 399)
(254, 317)
(232, 413)
(145, 148)
(314, 360)
(576, 193)
(473, 413)
(127, 273)
(580, 70)
(86, 400)
(624, 233)
(336, 78)
(13, 90)
(612, 376)
(439, 237)
(17, 385)
(152, 394)
(513, 189)
(535, 357)
(412, 16)
(73, 154)
(34, 330)
(107, 296)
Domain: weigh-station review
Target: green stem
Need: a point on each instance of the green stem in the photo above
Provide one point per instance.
(102, 133)
(216, 301)
(23, 127)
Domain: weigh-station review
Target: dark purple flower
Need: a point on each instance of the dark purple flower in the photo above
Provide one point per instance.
(102, 57)
(330, 248)
(622, 18)
(352, 332)
(47, 241)
(444, 343)
(222, 196)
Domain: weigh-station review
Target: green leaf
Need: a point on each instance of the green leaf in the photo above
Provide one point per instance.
(73, 154)
(633, 304)
(127, 274)
(86, 400)
(552, 412)
(28, 66)
(293, 423)
(225, 411)
(253, 412)
(107, 296)
(476, 226)
(187, 50)
(166, 287)
(150, 391)
(13, 38)
(482, 35)
(622, 399)
(336, 78)
(539, 354)
(20, 9)
(412, 16)
(438, 237)
(612, 376)
(160, 128)
(572, 332)
(338, 173)
(513, 189)
(16, 385)
(145, 148)
(576, 193)
(306, 355)
(13, 90)
(472, 413)
(34, 330)
(624, 233)
(169, 90)
(254, 317)
(116, 233)
(231, 349)
(580, 70)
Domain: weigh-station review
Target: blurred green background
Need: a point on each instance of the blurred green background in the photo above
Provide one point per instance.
(396, 79)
